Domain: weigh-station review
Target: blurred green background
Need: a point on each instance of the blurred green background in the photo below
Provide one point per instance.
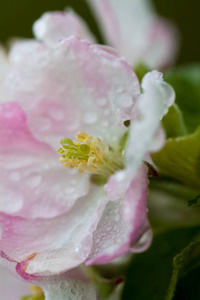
(17, 17)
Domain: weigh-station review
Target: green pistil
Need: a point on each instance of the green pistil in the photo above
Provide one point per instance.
(75, 151)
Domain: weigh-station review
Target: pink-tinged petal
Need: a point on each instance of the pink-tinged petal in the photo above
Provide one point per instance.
(71, 284)
(56, 245)
(132, 27)
(124, 225)
(145, 134)
(118, 184)
(33, 183)
(53, 27)
(73, 86)
(12, 288)
(163, 45)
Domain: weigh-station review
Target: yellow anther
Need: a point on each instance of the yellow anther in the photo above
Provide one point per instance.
(36, 290)
(88, 154)
(36, 294)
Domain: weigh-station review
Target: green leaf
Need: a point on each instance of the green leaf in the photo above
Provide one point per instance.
(188, 286)
(140, 70)
(186, 82)
(168, 204)
(180, 159)
(173, 122)
(180, 261)
(150, 272)
(194, 202)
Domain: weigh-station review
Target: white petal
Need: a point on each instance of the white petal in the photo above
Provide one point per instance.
(53, 27)
(152, 106)
(132, 27)
(61, 288)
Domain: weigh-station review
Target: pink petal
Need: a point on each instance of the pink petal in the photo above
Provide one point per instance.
(70, 284)
(55, 245)
(123, 224)
(163, 45)
(133, 28)
(53, 27)
(33, 182)
(73, 86)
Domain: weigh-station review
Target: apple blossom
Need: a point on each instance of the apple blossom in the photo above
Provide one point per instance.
(54, 219)
(133, 27)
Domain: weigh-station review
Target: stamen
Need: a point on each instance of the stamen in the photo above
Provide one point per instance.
(89, 154)
(36, 293)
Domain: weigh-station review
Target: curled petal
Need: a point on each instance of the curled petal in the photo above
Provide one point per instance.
(145, 134)
(124, 224)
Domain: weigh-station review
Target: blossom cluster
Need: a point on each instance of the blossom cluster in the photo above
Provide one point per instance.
(55, 222)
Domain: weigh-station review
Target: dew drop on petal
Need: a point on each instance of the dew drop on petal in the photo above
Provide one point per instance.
(89, 118)
(33, 180)
(14, 176)
(7, 204)
(69, 190)
(106, 112)
(101, 102)
(105, 123)
(44, 124)
(124, 100)
(57, 114)
(120, 176)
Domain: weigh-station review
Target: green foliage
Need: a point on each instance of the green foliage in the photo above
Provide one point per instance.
(186, 82)
(180, 263)
(180, 159)
(194, 202)
(140, 70)
(150, 273)
(174, 123)
(167, 204)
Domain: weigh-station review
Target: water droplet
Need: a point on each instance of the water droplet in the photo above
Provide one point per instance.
(44, 124)
(106, 112)
(15, 176)
(77, 249)
(101, 102)
(7, 204)
(123, 100)
(56, 114)
(34, 180)
(56, 187)
(89, 118)
(117, 218)
(69, 190)
(105, 123)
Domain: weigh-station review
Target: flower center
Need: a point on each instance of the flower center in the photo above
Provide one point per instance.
(89, 154)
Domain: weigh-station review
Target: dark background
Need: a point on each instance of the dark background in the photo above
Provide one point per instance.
(17, 17)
